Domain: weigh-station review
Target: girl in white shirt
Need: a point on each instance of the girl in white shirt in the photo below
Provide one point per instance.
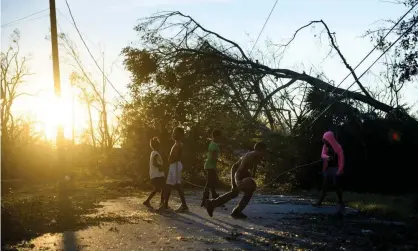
(156, 172)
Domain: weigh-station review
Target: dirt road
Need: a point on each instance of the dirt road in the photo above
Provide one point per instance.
(275, 223)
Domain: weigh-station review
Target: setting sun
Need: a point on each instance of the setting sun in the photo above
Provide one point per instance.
(51, 111)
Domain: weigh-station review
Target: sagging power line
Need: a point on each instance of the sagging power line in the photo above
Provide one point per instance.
(381, 55)
(91, 55)
(264, 26)
(374, 48)
(25, 17)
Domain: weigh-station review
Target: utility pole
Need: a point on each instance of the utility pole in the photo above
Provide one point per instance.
(73, 118)
(61, 165)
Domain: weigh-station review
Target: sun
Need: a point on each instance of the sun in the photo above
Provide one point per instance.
(51, 111)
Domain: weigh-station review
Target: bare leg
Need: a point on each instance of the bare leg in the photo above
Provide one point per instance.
(221, 200)
(247, 185)
(237, 212)
(323, 191)
(338, 190)
(150, 196)
(162, 196)
(183, 206)
(167, 194)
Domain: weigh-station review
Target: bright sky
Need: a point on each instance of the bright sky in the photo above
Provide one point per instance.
(108, 25)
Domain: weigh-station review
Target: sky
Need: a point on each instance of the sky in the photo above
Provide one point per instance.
(107, 26)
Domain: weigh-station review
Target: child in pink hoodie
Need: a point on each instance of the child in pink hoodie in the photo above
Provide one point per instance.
(333, 167)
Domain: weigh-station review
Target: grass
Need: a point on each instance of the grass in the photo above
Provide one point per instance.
(387, 207)
(392, 207)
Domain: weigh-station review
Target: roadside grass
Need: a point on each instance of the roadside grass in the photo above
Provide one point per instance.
(382, 206)
(388, 207)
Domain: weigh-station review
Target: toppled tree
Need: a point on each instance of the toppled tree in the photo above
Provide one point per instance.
(179, 53)
(185, 74)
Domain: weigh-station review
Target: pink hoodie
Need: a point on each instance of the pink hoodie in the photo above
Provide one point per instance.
(329, 137)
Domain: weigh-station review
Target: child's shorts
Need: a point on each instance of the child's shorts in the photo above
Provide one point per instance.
(174, 173)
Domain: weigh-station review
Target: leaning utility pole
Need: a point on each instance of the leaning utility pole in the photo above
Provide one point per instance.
(61, 165)
(73, 118)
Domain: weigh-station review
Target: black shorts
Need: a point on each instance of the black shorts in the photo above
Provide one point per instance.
(211, 178)
(158, 183)
(331, 178)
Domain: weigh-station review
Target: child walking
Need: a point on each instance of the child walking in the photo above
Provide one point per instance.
(333, 168)
(174, 171)
(156, 172)
(210, 167)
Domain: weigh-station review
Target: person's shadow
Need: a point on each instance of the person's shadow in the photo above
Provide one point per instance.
(66, 220)
(199, 222)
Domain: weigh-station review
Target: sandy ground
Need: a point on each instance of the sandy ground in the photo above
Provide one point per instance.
(274, 223)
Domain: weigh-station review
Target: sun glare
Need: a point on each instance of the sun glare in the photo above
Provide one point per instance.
(51, 111)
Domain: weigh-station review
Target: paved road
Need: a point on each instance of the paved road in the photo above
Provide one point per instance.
(275, 223)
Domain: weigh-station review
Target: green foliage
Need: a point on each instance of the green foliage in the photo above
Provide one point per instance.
(405, 62)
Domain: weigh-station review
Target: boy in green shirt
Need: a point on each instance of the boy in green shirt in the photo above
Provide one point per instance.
(210, 167)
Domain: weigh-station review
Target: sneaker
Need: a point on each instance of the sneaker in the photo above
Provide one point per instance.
(209, 207)
(146, 203)
(238, 215)
(182, 209)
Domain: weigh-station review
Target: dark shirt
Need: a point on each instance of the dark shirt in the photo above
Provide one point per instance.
(333, 157)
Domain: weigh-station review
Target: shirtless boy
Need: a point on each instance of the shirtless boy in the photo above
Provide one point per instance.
(241, 181)
(174, 171)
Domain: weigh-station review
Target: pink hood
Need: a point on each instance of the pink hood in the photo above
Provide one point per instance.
(329, 137)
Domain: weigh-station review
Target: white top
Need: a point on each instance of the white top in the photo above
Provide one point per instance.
(153, 170)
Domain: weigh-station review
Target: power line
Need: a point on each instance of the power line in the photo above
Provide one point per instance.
(32, 19)
(68, 20)
(264, 26)
(91, 55)
(287, 171)
(384, 52)
(374, 48)
(23, 18)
